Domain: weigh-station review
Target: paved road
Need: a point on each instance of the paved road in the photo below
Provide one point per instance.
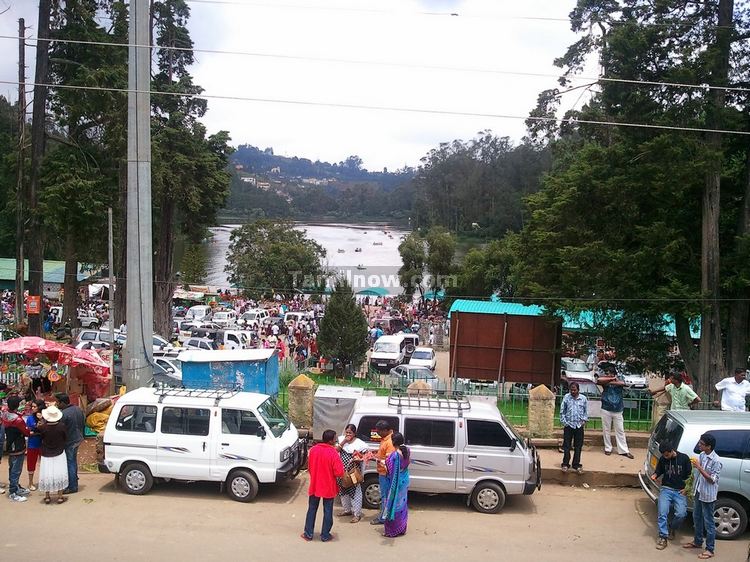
(192, 521)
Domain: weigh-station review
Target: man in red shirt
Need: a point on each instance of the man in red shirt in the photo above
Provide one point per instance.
(324, 465)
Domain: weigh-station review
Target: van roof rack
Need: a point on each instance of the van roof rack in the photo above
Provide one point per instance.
(216, 394)
(456, 402)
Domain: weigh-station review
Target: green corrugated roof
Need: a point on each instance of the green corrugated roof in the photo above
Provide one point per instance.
(496, 307)
(586, 320)
(54, 271)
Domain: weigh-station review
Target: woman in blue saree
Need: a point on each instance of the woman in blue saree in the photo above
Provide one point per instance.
(396, 509)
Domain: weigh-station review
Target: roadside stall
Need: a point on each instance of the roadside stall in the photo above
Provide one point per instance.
(36, 363)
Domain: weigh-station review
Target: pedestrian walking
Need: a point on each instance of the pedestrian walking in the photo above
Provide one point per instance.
(53, 472)
(733, 391)
(395, 504)
(574, 413)
(386, 447)
(611, 412)
(705, 489)
(351, 450)
(73, 420)
(674, 469)
(15, 447)
(34, 445)
(324, 466)
(683, 397)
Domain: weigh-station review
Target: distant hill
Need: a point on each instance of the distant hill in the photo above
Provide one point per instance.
(264, 184)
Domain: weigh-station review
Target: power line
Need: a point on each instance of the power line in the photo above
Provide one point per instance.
(391, 64)
(394, 109)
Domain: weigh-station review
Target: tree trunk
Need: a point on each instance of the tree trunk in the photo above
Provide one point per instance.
(739, 310)
(70, 281)
(34, 242)
(688, 352)
(711, 359)
(121, 257)
(163, 268)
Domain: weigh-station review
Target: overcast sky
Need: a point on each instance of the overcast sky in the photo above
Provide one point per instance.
(486, 34)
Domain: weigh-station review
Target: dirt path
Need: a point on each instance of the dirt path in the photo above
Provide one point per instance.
(178, 521)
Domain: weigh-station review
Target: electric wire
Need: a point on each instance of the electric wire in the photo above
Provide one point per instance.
(393, 64)
(561, 120)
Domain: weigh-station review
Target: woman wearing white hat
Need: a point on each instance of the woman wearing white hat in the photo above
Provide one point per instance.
(53, 474)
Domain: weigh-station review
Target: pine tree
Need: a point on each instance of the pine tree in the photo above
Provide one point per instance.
(343, 330)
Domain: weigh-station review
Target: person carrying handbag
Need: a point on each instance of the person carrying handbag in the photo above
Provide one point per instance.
(351, 449)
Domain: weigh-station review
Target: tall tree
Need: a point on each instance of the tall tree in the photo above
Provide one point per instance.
(412, 252)
(343, 330)
(441, 247)
(266, 257)
(190, 180)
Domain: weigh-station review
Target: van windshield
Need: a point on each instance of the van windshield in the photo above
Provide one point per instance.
(383, 347)
(521, 440)
(274, 417)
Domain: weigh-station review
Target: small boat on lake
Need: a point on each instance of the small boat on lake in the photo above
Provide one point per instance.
(341, 250)
(361, 267)
(377, 243)
(357, 249)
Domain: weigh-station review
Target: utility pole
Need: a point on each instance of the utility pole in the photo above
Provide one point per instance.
(20, 183)
(138, 352)
(111, 257)
(35, 244)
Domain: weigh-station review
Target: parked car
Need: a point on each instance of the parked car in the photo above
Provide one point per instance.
(424, 357)
(200, 343)
(170, 365)
(572, 368)
(634, 379)
(244, 437)
(388, 352)
(683, 428)
(252, 319)
(457, 447)
(88, 319)
(96, 336)
(201, 312)
(403, 375)
(225, 318)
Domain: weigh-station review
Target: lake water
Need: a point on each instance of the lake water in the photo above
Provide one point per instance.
(375, 266)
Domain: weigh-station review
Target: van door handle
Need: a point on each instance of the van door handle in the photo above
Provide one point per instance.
(472, 457)
(450, 459)
(747, 470)
(204, 445)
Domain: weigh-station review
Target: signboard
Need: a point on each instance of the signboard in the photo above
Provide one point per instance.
(33, 305)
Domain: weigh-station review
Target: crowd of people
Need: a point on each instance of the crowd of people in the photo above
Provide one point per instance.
(335, 467)
(46, 433)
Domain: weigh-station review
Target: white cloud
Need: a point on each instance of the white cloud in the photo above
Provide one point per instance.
(483, 36)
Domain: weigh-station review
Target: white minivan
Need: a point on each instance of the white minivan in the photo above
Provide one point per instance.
(199, 312)
(388, 352)
(225, 318)
(237, 438)
(457, 447)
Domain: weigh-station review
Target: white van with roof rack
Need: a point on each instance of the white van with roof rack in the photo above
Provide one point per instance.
(457, 447)
(239, 439)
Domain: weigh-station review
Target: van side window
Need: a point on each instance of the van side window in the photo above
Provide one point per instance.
(731, 443)
(239, 422)
(366, 427)
(430, 433)
(185, 421)
(487, 434)
(137, 418)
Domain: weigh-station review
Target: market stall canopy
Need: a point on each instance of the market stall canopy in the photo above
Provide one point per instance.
(63, 354)
(373, 292)
(188, 295)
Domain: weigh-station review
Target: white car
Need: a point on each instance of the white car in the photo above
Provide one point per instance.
(171, 365)
(424, 357)
(225, 318)
(576, 369)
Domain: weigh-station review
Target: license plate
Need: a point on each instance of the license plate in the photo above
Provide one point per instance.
(654, 460)
(382, 365)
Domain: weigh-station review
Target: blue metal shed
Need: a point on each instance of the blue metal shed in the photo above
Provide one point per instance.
(251, 370)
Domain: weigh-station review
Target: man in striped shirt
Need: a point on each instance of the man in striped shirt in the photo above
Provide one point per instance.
(708, 467)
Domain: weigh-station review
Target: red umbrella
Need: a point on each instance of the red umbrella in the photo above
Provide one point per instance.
(58, 352)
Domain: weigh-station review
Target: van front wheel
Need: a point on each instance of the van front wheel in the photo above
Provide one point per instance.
(242, 486)
(488, 497)
(136, 479)
(371, 492)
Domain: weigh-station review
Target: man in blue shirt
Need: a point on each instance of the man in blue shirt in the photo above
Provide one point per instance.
(574, 414)
(612, 408)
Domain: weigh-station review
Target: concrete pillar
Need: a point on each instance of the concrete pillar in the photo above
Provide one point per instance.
(301, 393)
(541, 412)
